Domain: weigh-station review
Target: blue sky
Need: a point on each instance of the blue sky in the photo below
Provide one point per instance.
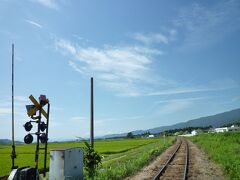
(154, 63)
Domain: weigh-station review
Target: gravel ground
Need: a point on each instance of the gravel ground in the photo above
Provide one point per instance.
(200, 168)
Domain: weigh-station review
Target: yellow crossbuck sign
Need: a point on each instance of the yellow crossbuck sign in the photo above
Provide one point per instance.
(37, 107)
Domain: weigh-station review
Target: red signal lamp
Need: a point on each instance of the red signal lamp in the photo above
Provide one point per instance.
(43, 100)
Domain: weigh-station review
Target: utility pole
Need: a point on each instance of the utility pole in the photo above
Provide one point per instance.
(91, 116)
(13, 155)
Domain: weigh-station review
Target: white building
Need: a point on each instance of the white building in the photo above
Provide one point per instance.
(194, 132)
(223, 129)
(234, 128)
(151, 136)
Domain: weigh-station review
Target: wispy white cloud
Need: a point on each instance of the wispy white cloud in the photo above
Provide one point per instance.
(81, 39)
(5, 110)
(67, 46)
(182, 91)
(173, 107)
(128, 70)
(76, 67)
(151, 38)
(48, 3)
(154, 38)
(18, 101)
(33, 23)
(217, 85)
(19, 106)
(203, 26)
(118, 67)
(22, 99)
(181, 100)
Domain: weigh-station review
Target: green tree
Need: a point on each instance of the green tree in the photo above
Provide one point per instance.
(130, 135)
(146, 134)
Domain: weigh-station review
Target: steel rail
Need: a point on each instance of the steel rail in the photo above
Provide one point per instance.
(162, 170)
(186, 161)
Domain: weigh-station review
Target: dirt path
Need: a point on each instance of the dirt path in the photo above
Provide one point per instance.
(200, 168)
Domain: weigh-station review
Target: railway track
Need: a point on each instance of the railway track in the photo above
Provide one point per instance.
(176, 167)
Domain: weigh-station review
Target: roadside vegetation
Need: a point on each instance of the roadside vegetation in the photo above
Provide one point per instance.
(119, 157)
(224, 149)
(120, 165)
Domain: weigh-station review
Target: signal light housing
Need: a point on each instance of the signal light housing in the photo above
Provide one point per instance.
(43, 138)
(28, 139)
(28, 126)
(43, 100)
(43, 126)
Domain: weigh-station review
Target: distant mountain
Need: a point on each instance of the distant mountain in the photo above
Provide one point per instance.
(217, 120)
(123, 134)
(7, 142)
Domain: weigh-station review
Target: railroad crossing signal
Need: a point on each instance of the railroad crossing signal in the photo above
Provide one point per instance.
(32, 109)
(42, 127)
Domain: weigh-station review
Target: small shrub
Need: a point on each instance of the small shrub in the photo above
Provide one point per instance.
(91, 160)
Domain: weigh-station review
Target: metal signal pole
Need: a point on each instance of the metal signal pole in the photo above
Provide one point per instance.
(38, 134)
(46, 144)
(13, 155)
(91, 116)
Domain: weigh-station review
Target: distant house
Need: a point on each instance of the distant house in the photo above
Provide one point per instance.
(176, 133)
(194, 132)
(223, 129)
(151, 136)
(234, 128)
(211, 130)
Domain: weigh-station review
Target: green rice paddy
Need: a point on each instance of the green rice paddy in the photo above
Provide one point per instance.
(120, 157)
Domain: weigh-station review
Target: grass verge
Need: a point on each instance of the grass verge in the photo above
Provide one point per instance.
(125, 164)
(224, 149)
